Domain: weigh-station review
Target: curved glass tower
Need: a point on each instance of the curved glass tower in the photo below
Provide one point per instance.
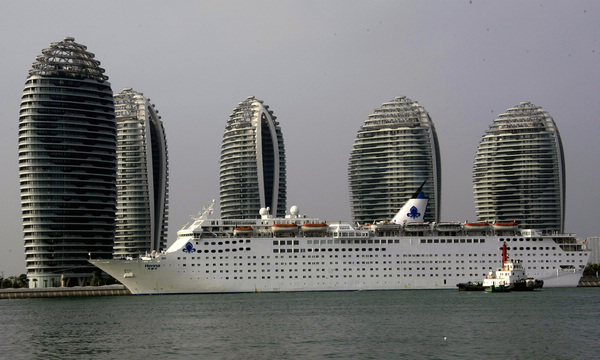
(142, 177)
(395, 151)
(252, 168)
(67, 165)
(519, 170)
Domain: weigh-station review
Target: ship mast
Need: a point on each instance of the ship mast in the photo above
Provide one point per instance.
(504, 257)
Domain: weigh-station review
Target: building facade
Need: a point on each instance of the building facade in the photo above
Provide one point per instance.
(67, 165)
(252, 166)
(519, 170)
(395, 151)
(142, 177)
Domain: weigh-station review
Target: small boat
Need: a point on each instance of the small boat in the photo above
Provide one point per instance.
(511, 277)
(243, 230)
(448, 226)
(470, 286)
(477, 226)
(528, 284)
(320, 227)
(417, 226)
(384, 225)
(284, 228)
(505, 226)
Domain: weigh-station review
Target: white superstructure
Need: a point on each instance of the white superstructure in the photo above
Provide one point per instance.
(298, 253)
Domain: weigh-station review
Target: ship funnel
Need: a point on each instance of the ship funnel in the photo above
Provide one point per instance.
(414, 209)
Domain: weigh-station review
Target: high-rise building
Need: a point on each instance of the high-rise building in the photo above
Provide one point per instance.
(67, 165)
(395, 151)
(142, 177)
(519, 170)
(252, 168)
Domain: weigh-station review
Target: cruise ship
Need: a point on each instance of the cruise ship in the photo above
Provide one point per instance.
(300, 253)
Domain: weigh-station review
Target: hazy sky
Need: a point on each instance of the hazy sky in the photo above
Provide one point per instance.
(322, 67)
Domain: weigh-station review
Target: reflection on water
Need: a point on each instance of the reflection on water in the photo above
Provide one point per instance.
(552, 323)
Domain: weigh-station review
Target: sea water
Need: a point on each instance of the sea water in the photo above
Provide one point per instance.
(405, 324)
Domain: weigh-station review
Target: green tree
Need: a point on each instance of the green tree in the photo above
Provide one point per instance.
(6, 283)
(23, 281)
(591, 270)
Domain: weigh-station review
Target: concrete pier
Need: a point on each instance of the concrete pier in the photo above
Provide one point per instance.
(107, 290)
(587, 281)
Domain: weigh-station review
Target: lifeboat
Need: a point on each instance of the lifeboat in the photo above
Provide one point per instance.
(384, 225)
(243, 230)
(448, 226)
(284, 228)
(416, 226)
(477, 226)
(503, 226)
(321, 227)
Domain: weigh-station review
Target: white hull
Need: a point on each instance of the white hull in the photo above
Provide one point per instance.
(270, 264)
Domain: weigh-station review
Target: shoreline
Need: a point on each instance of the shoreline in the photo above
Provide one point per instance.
(26, 293)
(589, 281)
(121, 290)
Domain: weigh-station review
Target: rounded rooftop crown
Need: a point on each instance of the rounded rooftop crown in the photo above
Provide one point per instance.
(400, 110)
(247, 111)
(129, 101)
(68, 59)
(523, 116)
